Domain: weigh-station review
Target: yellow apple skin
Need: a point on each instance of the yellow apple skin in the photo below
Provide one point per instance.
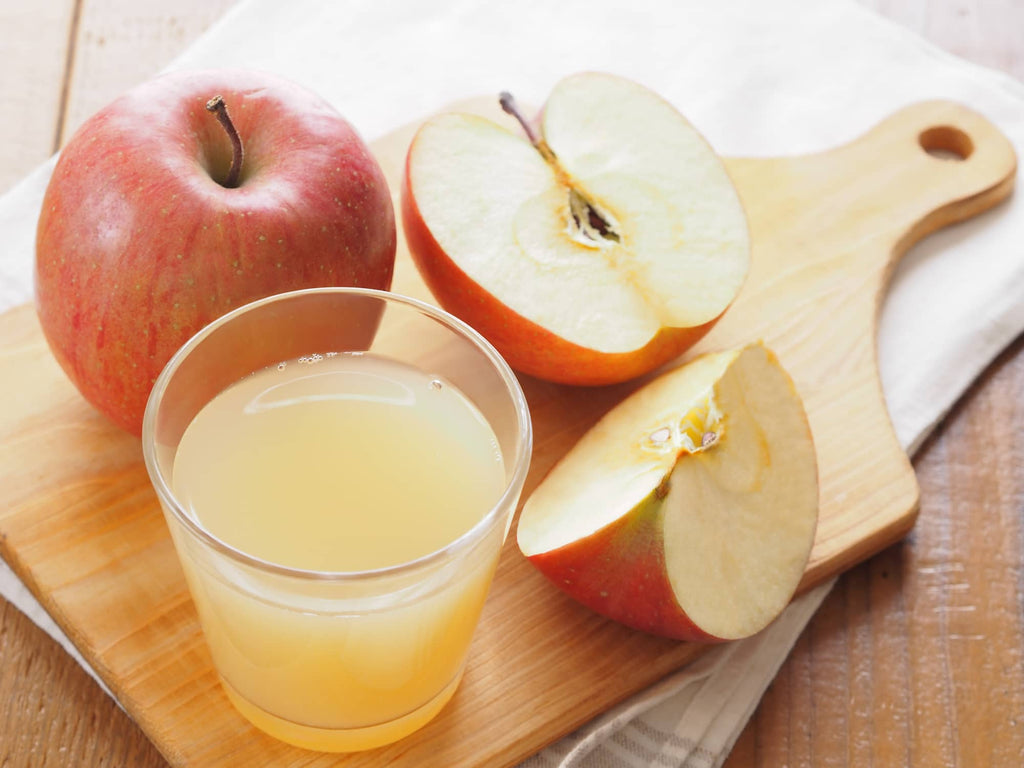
(525, 345)
(619, 572)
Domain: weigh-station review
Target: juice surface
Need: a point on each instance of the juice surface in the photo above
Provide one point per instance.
(339, 463)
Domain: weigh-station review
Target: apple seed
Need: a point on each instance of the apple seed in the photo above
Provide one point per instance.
(661, 435)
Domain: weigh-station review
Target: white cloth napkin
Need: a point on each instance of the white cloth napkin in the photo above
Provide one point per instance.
(791, 76)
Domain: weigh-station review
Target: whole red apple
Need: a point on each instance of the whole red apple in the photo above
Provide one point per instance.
(144, 236)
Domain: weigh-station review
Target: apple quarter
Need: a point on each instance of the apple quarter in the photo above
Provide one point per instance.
(690, 509)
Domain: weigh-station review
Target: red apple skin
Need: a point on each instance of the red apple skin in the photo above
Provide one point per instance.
(527, 346)
(138, 246)
(619, 572)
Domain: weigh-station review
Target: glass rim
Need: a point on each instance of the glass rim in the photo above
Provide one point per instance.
(513, 487)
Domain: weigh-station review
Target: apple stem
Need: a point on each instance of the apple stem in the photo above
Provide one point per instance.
(591, 223)
(217, 106)
(508, 103)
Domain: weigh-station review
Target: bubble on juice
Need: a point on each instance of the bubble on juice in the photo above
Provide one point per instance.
(282, 366)
(311, 359)
(332, 354)
(436, 384)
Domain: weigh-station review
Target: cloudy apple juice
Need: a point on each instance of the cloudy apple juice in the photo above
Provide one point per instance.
(339, 463)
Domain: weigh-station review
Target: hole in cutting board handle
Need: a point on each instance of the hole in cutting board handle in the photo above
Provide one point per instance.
(946, 143)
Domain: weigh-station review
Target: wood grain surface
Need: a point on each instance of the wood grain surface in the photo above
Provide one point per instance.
(914, 659)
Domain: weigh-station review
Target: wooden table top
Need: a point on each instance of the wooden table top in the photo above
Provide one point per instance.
(917, 656)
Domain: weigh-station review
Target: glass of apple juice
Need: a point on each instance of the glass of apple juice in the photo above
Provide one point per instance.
(338, 468)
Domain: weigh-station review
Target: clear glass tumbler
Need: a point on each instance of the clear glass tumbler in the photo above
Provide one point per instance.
(337, 661)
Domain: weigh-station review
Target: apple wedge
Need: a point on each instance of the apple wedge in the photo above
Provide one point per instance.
(689, 510)
(589, 253)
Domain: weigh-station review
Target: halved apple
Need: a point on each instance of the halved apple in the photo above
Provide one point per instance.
(589, 254)
(690, 509)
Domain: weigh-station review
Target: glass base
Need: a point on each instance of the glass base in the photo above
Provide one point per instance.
(340, 739)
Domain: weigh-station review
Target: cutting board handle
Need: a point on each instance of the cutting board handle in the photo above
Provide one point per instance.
(925, 166)
(962, 165)
(954, 163)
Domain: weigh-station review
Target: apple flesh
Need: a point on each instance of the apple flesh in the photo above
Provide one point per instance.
(140, 244)
(690, 509)
(589, 253)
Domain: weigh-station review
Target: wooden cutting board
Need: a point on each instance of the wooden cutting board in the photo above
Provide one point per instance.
(81, 526)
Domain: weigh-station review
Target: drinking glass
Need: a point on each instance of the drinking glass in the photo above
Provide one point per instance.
(337, 661)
